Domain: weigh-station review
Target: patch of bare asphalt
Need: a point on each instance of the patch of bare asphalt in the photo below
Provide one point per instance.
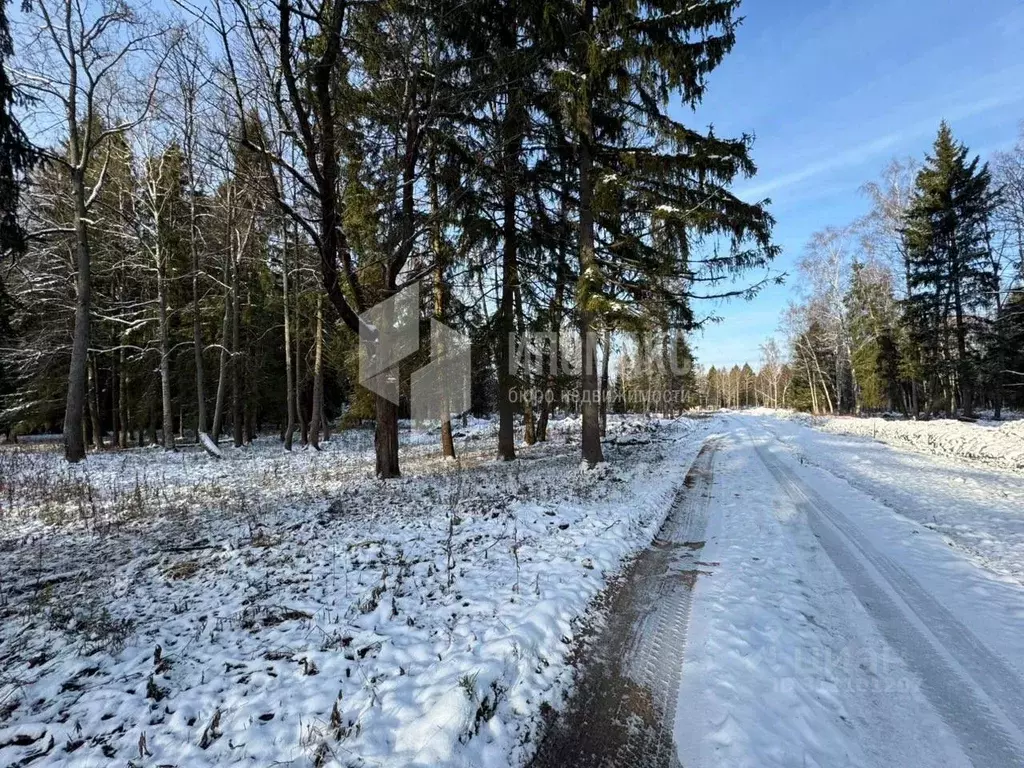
(622, 710)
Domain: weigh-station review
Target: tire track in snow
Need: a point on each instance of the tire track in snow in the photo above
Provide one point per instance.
(622, 710)
(978, 695)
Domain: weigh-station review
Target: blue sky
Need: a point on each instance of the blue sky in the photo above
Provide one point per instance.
(832, 91)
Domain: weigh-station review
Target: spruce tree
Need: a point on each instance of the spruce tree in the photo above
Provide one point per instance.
(677, 226)
(949, 272)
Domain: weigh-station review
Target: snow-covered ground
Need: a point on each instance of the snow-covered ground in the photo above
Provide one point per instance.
(994, 443)
(289, 609)
(865, 607)
(858, 604)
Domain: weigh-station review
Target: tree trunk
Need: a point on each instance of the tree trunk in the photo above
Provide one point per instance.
(251, 411)
(529, 430)
(316, 419)
(839, 374)
(385, 437)
(289, 430)
(964, 372)
(607, 343)
(813, 386)
(122, 404)
(165, 350)
(541, 429)
(1000, 362)
(225, 357)
(197, 326)
(553, 361)
(94, 404)
(74, 440)
(300, 387)
(447, 440)
(511, 140)
(237, 423)
(151, 425)
(949, 383)
(824, 384)
(115, 400)
(854, 381)
(588, 287)
(437, 246)
(529, 435)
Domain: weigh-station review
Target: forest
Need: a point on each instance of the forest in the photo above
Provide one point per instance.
(915, 308)
(215, 195)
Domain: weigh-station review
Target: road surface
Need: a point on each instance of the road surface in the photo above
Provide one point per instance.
(798, 609)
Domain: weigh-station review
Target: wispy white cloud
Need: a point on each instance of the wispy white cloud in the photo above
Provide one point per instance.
(848, 157)
(863, 151)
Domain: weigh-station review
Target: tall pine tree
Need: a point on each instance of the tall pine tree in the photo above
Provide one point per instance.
(949, 272)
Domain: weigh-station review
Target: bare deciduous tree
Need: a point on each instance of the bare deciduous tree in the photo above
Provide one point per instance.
(82, 64)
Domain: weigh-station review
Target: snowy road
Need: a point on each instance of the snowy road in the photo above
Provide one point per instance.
(839, 631)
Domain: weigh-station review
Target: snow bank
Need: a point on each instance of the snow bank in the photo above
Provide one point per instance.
(273, 608)
(993, 443)
(997, 444)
